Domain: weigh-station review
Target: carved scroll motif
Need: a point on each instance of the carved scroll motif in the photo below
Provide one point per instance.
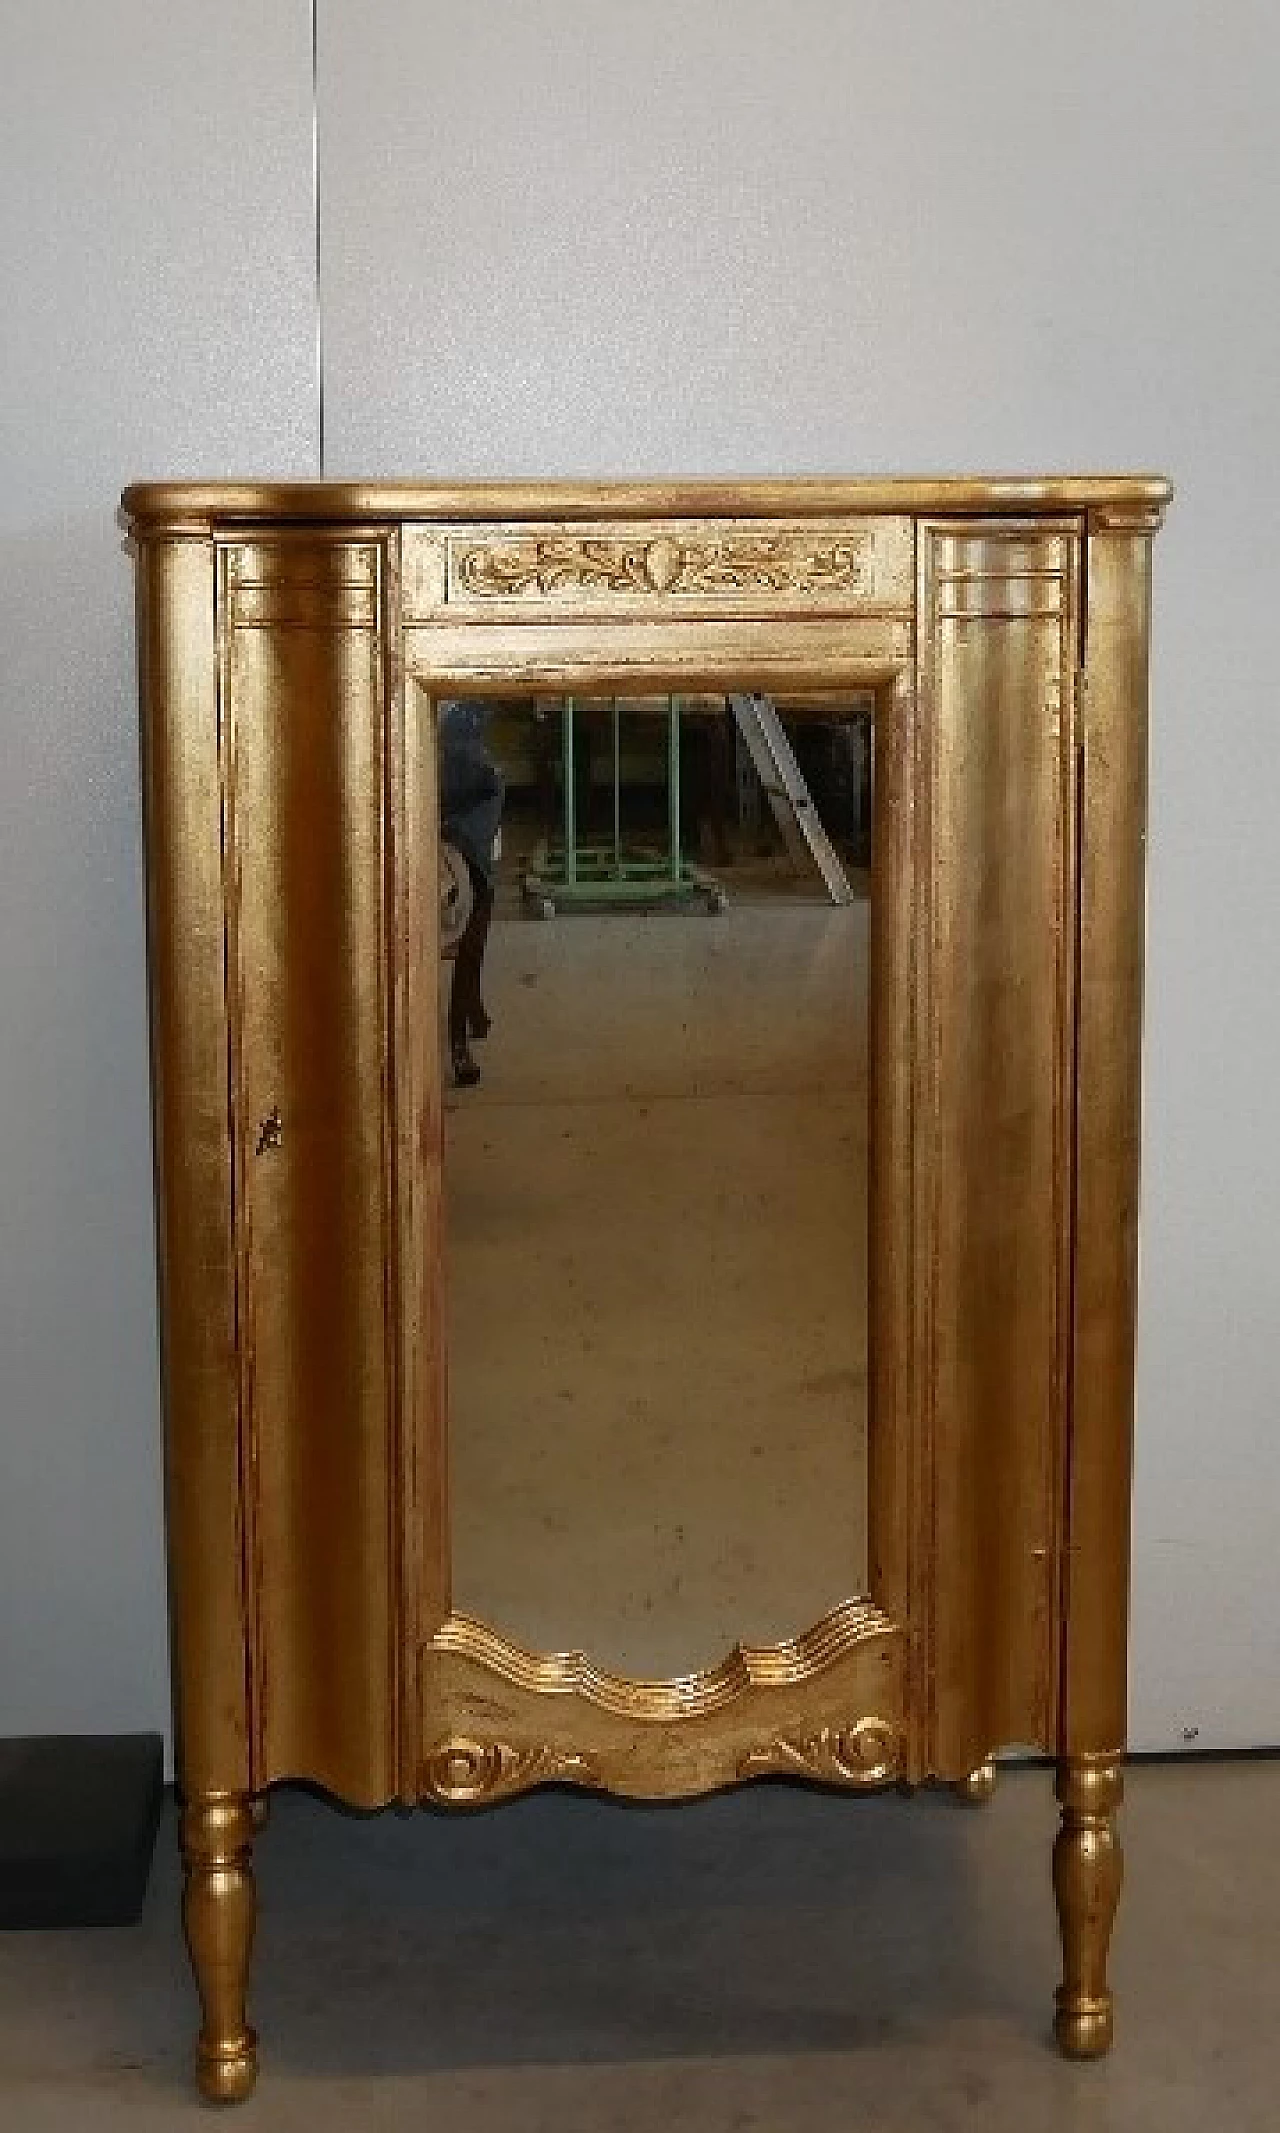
(733, 563)
(867, 1753)
(469, 1773)
(760, 1709)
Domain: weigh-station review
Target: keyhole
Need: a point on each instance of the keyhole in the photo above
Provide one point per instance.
(271, 1131)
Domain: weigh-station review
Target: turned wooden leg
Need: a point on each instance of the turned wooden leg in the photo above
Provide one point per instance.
(1087, 1871)
(217, 1910)
(979, 1787)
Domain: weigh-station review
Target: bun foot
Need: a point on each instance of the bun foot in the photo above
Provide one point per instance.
(1084, 2032)
(226, 2076)
(978, 1789)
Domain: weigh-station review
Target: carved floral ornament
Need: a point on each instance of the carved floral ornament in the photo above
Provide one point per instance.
(668, 563)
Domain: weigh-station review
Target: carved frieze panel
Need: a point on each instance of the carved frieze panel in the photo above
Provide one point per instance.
(690, 567)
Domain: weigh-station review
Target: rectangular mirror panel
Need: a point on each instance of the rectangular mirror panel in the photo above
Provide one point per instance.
(656, 1192)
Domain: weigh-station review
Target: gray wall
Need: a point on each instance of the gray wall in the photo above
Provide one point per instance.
(742, 235)
(158, 313)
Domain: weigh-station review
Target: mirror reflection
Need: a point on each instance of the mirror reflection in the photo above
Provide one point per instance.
(655, 1024)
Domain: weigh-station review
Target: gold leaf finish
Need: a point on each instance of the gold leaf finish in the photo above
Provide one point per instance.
(181, 509)
(998, 627)
(664, 1739)
(697, 1695)
(470, 1773)
(1087, 1873)
(293, 640)
(979, 1788)
(523, 572)
(305, 766)
(218, 1906)
(866, 1753)
(734, 563)
(664, 563)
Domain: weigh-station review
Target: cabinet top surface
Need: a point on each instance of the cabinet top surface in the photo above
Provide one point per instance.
(177, 506)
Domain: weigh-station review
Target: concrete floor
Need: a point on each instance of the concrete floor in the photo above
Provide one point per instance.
(656, 1258)
(772, 1959)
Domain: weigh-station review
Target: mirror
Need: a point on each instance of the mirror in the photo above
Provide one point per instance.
(656, 1188)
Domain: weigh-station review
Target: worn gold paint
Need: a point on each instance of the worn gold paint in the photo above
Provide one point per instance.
(1087, 1872)
(218, 1913)
(293, 640)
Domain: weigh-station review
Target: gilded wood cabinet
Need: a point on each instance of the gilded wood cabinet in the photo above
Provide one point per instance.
(294, 640)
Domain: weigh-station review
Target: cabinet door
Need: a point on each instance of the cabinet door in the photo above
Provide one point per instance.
(304, 717)
(998, 624)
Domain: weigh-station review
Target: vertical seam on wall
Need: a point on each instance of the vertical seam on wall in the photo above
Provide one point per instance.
(315, 207)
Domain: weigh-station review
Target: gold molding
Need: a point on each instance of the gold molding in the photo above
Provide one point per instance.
(1126, 518)
(696, 1695)
(176, 503)
(651, 652)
